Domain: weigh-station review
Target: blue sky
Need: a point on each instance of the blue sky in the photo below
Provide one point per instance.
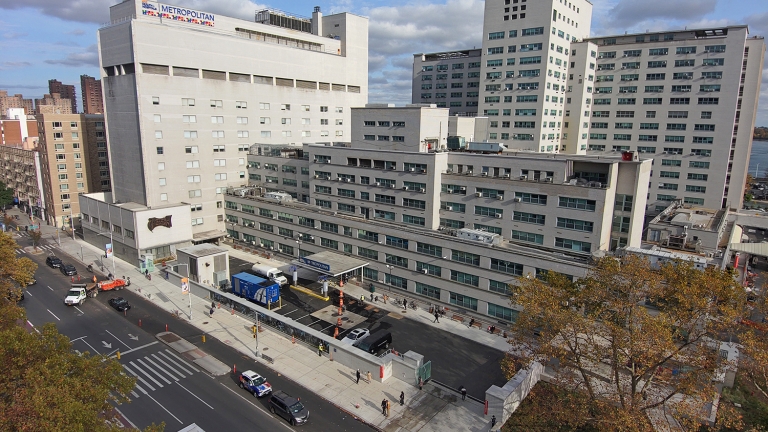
(44, 39)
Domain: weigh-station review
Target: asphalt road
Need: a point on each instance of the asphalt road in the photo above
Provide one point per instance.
(169, 388)
(456, 361)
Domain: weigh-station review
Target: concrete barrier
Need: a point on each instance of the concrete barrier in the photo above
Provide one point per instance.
(503, 401)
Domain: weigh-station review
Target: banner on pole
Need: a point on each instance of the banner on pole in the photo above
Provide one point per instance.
(184, 285)
(108, 250)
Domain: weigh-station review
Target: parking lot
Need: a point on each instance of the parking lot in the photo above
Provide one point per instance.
(456, 361)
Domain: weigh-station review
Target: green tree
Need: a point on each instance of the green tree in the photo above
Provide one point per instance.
(6, 195)
(36, 236)
(44, 385)
(624, 358)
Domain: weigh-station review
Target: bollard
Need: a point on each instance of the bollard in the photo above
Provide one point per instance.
(139, 323)
(166, 328)
(78, 278)
(118, 355)
(125, 312)
(203, 338)
(234, 369)
(233, 311)
(218, 305)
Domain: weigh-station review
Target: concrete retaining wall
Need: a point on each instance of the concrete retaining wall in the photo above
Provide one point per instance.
(503, 401)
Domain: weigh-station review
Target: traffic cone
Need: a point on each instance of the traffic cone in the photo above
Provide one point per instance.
(293, 339)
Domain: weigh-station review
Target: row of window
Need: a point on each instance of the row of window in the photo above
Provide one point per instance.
(652, 126)
(706, 115)
(657, 101)
(192, 134)
(659, 76)
(652, 138)
(708, 49)
(704, 88)
(218, 103)
(661, 64)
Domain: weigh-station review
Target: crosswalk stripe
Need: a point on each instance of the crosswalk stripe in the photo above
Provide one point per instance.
(140, 389)
(20, 251)
(154, 370)
(139, 378)
(147, 375)
(175, 363)
(182, 361)
(134, 394)
(166, 365)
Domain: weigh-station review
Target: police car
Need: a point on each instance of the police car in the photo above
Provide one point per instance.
(255, 383)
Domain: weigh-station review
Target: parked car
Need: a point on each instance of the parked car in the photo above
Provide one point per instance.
(119, 303)
(68, 269)
(355, 335)
(288, 407)
(375, 341)
(53, 262)
(254, 383)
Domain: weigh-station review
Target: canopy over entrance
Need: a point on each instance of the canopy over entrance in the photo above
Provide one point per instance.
(754, 249)
(330, 263)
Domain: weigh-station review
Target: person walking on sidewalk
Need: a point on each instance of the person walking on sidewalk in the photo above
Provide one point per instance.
(388, 407)
(463, 391)
(368, 375)
(437, 315)
(421, 383)
(405, 303)
(358, 377)
(320, 349)
(384, 406)
(402, 398)
(210, 312)
(493, 421)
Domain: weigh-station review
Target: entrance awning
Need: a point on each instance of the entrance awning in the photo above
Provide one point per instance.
(207, 235)
(755, 249)
(330, 263)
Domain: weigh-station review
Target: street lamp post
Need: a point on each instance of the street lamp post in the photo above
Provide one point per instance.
(111, 242)
(757, 171)
(390, 277)
(190, 291)
(72, 226)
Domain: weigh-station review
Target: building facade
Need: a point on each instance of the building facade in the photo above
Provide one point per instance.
(17, 128)
(686, 98)
(93, 100)
(415, 128)
(449, 80)
(53, 104)
(96, 153)
(65, 91)
(21, 170)
(65, 142)
(412, 215)
(182, 113)
(15, 101)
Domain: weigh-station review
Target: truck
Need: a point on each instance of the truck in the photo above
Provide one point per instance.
(269, 272)
(116, 284)
(255, 288)
(486, 147)
(79, 291)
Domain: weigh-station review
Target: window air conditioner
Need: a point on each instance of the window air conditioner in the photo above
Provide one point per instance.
(485, 174)
(478, 194)
(499, 216)
(424, 271)
(524, 177)
(392, 185)
(506, 176)
(548, 180)
(405, 188)
(346, 180)
(423, 190)
(317, 176)
(463, 188)
(500, 197)
(517, 199)
(378, 184)
(411, 169)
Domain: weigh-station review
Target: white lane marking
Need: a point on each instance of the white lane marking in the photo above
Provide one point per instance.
(49, 288)
(327, 327)
(33, 327)
(194, 395)
(155, 371)
(140, 389)
(256, 406)
(138, 348)
(75, 340)
(49, 311)
(79, 310)
(174, 362)
(127, 419)
(166, 409)
(134, 394)
(89, 346)
(159, 360)
(182, 361)
(28, 293)
(149, 386)
(296, 319)
(117, 338)
(147, 375)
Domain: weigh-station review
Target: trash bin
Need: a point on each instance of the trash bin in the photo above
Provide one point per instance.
(372, 288)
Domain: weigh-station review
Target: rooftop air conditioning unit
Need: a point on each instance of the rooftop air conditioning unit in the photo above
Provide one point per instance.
(517, 199)
(506, 176)
(499, 216)
(478, 194)
(500, 197)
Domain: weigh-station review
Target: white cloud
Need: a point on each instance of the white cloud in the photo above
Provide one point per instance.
(8, 65)
(89, 57)
(76, 32)
(628, 12)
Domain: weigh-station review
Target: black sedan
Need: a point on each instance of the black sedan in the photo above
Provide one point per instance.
(68, 270)
(53, 262)
(119, 303)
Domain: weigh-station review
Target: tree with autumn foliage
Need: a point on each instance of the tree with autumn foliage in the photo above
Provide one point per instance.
(44, 385)
(628, 343)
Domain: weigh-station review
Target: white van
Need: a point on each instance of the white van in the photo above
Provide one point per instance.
(269, 272)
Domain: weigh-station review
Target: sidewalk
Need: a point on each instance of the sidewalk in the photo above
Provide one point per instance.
(432, 409)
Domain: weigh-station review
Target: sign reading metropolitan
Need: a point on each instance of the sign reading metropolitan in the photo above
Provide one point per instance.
(177, 14)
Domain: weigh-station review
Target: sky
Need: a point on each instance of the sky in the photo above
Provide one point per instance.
(45, 39)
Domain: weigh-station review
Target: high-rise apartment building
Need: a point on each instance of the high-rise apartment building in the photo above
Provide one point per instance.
(93, 101)
(524, 68)
(21, 170)
(53, 104)
(17, 128)
(448, 80)
(96, 153)
(65, 141)
(65, 91)
(688, 99)
(15, 101)
(186, 96)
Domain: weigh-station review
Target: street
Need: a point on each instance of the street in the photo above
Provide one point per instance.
(169, 388)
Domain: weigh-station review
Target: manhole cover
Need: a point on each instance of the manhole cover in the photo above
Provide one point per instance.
(345, 318)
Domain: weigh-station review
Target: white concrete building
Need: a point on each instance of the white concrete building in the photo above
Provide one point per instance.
(686, 98)
(415, 128)
(188, 92)
(524, 68)
(449, 80)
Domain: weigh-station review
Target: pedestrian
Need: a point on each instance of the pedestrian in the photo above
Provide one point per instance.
(94, 279)
(437, 315)
(402, 398)
(357, 375)
(210, 312)
(320, 349)
(405, 303)
(388, 407)
(213, 305)
(362, 299)
(369, 376)
(471, 322)
(463, 393)
(421, 383)
(493, 421)
(384, 406)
